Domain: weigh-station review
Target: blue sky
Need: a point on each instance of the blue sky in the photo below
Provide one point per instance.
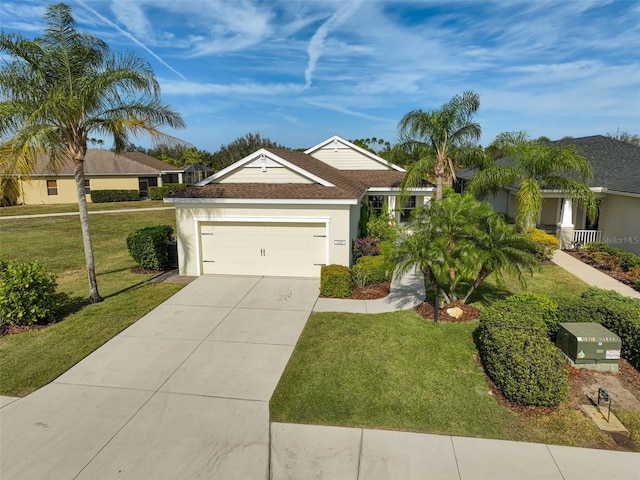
(301, 71)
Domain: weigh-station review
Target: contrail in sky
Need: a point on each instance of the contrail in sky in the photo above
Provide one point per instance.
(132, 38)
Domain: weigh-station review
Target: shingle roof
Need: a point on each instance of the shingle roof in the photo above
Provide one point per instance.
(615, 164)
(106, 162)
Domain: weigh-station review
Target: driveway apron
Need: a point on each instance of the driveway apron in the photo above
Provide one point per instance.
(182, 393)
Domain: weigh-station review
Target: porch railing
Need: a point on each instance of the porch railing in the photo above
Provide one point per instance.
(580, 237)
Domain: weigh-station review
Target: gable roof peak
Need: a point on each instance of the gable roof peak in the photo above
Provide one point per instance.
(336, 140)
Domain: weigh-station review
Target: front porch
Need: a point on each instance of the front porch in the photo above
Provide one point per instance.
(388, 202)
(560, 216)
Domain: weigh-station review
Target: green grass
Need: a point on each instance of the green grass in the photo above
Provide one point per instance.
(73, 207)
(32, 359)
(397, 371)
(392, 371)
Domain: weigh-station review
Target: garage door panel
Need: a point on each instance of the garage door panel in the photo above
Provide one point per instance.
(277, 249)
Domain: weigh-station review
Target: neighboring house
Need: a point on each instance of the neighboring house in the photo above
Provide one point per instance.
(616, 182)
(285, 213)
(104, 170)
(195, 173)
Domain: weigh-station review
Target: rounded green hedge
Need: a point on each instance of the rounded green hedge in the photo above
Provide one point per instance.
(148, 246)
(518, 355)
(335, 281)
(371, 269)
(27, 293)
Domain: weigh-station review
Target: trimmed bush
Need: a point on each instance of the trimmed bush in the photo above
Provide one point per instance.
(148, 246)
(535, 305)
(365, 247)
(546, 244)
(335, 281)
(518, 355)
(105, 196)
(27, 293)
(613, 311)
(158, 193)
(372, 269)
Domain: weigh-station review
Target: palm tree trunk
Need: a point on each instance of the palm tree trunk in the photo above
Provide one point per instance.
(439, 187)
(78, 174)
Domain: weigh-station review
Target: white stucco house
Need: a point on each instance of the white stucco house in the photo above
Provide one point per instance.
(285, 213)
(616, 183)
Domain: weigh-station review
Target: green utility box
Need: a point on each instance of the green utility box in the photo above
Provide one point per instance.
(589, 345)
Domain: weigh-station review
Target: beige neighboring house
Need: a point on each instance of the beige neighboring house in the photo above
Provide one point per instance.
(616, 183)
(286, 213)
(104, 170)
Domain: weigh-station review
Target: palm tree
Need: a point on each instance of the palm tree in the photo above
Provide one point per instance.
(458, 242)
(436, 139)
(535, 166)
(58, 90)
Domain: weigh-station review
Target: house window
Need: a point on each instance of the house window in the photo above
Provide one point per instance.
(52, 187)
(87, 187)
(375, 204)
(409, 205)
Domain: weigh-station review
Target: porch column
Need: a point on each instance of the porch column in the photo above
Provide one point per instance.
(565, 227)
(391, 199)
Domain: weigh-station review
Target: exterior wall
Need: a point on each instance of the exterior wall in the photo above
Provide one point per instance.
(272, 174)
(344, 158)
(549, 214)
(34, 192)
(619, 222)
(339, 227)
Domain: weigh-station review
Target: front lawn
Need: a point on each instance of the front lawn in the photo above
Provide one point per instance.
(397, 371)
(30, 360)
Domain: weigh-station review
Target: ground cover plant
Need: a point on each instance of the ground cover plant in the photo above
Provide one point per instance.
(33, 358)
(617, 263)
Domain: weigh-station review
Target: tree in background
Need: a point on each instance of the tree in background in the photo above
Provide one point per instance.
(58, 90)
(378, 146)
(240, 148)
(438, 139)
(626, 137)
(535, 166)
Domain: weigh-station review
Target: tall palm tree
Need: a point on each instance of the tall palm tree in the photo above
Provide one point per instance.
(58, 90)
(435, 139)
(535, 166)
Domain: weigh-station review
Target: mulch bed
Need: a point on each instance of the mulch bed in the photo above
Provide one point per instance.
(146, 271)
(619, 275)
(14, 329)
(426, 310)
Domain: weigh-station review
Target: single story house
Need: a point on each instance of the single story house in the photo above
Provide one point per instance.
(616, 183)
(194, 173)
(104, 170)
(285, 213)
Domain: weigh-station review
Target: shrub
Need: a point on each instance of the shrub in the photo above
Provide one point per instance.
(613, 311)
(381, 228)
(545, 243)
(606, 260)
(335, 281)
(104, 196)
(535, 305)
(365, 247)
(634, 274)
(158, 193)
(372, 269)
(518, 355)
(148, 246)
(27, 293)
(628, 260)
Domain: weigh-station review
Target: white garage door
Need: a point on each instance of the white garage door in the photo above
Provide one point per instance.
(274, 249)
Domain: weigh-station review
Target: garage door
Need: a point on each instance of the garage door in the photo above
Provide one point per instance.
(274, 249)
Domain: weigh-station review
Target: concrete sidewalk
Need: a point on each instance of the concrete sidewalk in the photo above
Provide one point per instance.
(92, 212)
(590, 275)
(332, 453)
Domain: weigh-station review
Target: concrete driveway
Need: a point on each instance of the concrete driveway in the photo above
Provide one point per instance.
(182, 393)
